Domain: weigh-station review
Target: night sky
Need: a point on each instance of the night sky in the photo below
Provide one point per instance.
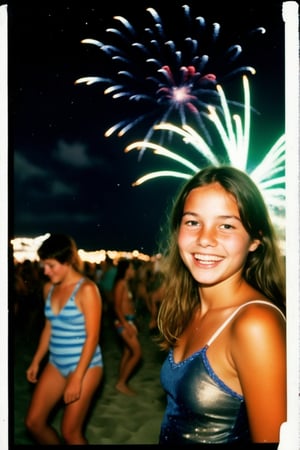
(65, 176)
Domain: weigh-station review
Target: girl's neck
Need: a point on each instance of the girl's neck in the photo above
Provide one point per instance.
(71, 278)
(231, 292)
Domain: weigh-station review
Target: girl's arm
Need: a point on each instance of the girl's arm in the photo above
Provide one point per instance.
(91, 306)
(119, 293)
(120, 296)
(259, 354)
(41, 351)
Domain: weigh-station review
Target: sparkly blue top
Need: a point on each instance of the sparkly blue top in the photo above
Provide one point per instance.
(201, 408)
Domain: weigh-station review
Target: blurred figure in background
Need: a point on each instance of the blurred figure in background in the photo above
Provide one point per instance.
(156, 293)
(124, 309)
(28, 299)
(106, 283)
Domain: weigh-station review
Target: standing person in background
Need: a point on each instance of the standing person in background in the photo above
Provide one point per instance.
(125, 315)
(222, 316)
(73, 311)
(156, 294)
(106, 283)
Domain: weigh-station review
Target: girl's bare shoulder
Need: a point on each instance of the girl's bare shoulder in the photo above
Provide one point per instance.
(88, 286)
(256, 321)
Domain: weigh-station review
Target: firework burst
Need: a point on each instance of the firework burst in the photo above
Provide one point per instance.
(234, 132)
(171, 79)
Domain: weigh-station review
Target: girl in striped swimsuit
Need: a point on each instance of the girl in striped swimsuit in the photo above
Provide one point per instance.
(74, 370)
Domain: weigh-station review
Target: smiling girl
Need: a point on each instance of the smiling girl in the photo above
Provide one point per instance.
(222, 317)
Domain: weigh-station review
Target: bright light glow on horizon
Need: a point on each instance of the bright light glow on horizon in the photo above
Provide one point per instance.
(26, 249)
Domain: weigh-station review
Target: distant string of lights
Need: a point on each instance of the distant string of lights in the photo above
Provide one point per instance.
(26, 249)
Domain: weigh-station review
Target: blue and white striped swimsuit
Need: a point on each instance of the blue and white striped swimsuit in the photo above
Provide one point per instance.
(68, 335)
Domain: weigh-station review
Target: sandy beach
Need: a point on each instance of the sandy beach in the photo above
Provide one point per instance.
(114, 418)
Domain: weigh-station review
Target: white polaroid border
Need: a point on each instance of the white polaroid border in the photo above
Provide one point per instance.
(4, 230)
(290, 433)
(289, 436)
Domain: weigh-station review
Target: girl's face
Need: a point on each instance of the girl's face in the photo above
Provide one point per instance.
(212, 240)
(55, 270)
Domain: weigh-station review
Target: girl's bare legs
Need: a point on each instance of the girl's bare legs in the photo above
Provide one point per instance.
(47, 393)
(75, 413)
(131, 356)
(124, 359)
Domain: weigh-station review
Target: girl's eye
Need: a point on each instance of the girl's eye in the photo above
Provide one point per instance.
(227, 226)
(191, 223)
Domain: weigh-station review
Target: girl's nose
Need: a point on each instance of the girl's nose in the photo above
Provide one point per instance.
(206, 237)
